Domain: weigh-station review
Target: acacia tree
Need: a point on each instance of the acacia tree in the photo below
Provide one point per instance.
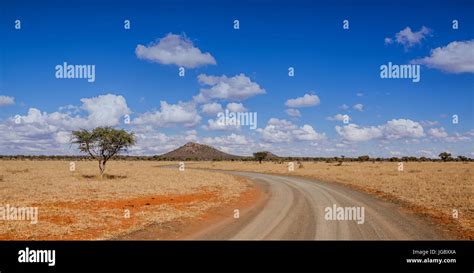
(340, 160)
(445, 156)
(260, 156)
(363, 158)
(103, 143)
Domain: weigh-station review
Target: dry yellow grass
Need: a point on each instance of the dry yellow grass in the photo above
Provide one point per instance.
(79, 205)
(430, 188)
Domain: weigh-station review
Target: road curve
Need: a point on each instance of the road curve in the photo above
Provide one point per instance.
(295, 210)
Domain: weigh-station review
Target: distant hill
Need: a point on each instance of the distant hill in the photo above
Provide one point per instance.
(196, 151)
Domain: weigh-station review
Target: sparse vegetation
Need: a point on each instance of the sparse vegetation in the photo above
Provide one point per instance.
(340, 160)
(300, 165)
(463, 158)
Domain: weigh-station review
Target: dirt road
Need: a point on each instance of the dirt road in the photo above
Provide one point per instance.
(296, 208)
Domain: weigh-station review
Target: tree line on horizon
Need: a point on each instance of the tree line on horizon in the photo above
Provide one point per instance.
(446, 157)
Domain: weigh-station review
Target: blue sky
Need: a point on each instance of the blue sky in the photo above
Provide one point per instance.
(334, 67)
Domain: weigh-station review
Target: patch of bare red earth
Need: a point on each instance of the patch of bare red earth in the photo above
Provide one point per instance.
(187, 228)
(168, 230)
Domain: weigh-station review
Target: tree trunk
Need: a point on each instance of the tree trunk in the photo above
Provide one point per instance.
(102, 168)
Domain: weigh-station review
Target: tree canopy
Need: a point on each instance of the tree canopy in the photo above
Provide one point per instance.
(445, 156)
(260, 156)
(103, 143)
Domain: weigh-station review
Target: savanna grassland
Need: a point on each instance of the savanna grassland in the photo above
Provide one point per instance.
(433, 189)
(80, 205)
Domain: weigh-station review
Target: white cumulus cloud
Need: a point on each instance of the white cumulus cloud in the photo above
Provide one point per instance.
(344, 107)
(359, 107)
(40, 132)
(353, 132)
(105, 110)
(338, 117)
(280, 130)
(174, 49)
(403, 128)
(438, 132)
(293, 112)
(211, 108)
(307, 133)
(216, 125)
(182, 113)
(229, 140)
(393, 129)
(456, 57)
(6, 100)
(304, 101)
(408, 38)
(236, 107)
(238, 88)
